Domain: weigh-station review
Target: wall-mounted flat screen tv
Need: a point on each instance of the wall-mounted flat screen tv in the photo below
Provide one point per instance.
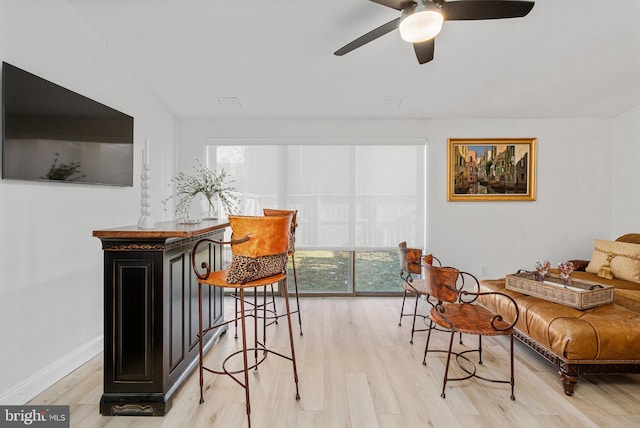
(50, 133)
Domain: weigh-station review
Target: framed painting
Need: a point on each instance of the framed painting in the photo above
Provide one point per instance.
(490, 169)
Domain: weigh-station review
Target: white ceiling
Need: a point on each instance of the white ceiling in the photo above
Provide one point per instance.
(567, 58)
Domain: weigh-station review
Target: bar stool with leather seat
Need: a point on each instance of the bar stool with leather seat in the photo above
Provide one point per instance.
(259, 247)
(411, 260)
(291, 252)
(272, 315)
(457, 311)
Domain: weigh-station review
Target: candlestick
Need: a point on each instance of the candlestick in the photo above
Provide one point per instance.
(145, 221)
(146, 152)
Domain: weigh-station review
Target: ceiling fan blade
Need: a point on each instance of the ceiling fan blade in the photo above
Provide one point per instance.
(424, 51)
(370, 36)
(395, 4)
(464, 10)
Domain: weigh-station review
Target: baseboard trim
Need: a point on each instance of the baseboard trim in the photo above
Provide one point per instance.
(40, 381)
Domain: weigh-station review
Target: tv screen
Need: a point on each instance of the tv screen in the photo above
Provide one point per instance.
(50, 133)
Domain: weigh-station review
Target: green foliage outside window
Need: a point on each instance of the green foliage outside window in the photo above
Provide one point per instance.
(329, 271)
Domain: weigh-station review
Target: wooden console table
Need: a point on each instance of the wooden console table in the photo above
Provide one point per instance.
(151, 313)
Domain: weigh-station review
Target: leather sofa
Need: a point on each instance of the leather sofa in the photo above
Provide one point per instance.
(604, 339)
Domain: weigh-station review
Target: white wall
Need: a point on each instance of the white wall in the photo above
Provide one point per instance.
(572, 206)
(573, 184)
(51, 276)
(626, 179)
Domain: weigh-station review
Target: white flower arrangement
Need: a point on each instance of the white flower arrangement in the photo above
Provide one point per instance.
(206, 182)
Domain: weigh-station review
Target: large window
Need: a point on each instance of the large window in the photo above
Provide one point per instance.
(355, 203)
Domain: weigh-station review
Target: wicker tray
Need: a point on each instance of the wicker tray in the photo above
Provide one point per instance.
(580, 294)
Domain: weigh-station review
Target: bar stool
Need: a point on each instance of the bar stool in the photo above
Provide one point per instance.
(411, 262)
(291, 252)
(259, 247)
(273, 313)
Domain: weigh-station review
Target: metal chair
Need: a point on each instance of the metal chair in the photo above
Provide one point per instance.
(456, 311)
(411, 260)
(291, 253)
(256, 243)
(272, 315)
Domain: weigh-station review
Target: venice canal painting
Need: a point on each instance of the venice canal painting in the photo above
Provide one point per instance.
(491, 169)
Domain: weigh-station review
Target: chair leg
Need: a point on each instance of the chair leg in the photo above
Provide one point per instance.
(273, 302)
(293, 351)
(426, 347)
(513, 397)
(479, 349)
(404, 297)
(200, 351)
(264, 321)
(415, 314)
(255, 325)
(244, 356)
(446, 370)
(235, 323)
(264, 317)
(295, 284)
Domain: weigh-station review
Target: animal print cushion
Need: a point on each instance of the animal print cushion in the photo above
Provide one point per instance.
(244, 269)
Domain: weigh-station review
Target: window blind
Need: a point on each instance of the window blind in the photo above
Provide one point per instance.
(348, 196)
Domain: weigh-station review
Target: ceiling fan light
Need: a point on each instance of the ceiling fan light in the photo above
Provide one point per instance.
(421, 23)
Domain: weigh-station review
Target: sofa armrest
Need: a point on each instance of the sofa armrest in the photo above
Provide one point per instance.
(580, 265)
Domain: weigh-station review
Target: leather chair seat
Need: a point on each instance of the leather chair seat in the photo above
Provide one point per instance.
(468, 319)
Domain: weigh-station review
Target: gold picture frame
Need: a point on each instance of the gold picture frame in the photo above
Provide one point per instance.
(491, 169)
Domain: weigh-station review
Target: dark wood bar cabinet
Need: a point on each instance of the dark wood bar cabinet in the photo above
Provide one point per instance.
(151, 312)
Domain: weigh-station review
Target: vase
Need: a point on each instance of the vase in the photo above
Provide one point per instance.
(209, 207)
(565, 270)
(192, 215)
(542, 268)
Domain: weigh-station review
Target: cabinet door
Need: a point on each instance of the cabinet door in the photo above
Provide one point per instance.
(133, 306)
(216, 294)
(178, 314)
(203, 255)
(212, 297)
(182, 309)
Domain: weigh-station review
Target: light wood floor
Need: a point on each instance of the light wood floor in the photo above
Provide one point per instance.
(357, 369)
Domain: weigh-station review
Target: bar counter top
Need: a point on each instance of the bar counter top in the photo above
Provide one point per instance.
(162, 230)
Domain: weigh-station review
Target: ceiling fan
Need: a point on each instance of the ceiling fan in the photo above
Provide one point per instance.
(421, 20)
